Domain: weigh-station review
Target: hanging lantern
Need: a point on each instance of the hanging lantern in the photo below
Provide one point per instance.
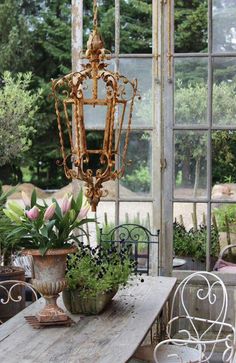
(80, 100)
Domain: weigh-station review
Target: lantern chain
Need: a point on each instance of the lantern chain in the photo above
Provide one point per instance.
(95, 14)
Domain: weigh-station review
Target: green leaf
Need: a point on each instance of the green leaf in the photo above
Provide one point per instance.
(58, 209)
(44, 231)
(16, 231)
(43, 250)
(65, 221)
(33, 198)
(16, 208)
(83, 221)
(79, 200)
(12, 216)
(50, 225)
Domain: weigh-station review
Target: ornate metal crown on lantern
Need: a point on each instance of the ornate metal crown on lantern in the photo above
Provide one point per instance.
(73, 96)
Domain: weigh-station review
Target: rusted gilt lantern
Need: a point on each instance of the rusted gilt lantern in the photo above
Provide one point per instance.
(94, 87)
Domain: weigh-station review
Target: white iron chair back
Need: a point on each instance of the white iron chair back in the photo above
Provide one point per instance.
(9, 292)
(197, 340)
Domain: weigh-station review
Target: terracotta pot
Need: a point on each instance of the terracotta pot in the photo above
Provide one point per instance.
(10, 309)
(88, 305)
(49, 280)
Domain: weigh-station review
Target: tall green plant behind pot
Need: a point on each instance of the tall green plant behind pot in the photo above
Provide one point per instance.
(78, 303)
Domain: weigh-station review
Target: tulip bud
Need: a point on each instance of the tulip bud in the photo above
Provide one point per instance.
(26, 199)
(33, 213)
(83, 212)
(49, 212)
(66, 204)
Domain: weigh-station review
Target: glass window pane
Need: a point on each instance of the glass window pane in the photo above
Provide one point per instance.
(191, 26)
(224, 91)
(136, 212)
(224, 27)
(190, 91)
(189, 236)
(223, 165)
(190, 164)
(140, 68)
(105, 217)
(137, 179)
(136, 26)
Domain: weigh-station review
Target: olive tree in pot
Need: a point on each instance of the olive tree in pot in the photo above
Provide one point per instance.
(48, 233)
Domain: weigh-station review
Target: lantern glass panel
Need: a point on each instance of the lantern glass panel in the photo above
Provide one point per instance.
(95, 117)
(95, 149)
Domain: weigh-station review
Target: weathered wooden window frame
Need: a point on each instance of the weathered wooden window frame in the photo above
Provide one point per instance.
(167, 71)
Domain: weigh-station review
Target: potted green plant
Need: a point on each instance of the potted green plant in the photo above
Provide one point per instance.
(94, 276)
(7, 270)
(48, 233)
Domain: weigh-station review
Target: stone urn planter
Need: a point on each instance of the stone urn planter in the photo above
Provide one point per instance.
(88, 305)
(49, 280)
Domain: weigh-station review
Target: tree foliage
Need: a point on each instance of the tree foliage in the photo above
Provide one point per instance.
(35, 35)
(17, 112)
(191, 26)
(191, 108)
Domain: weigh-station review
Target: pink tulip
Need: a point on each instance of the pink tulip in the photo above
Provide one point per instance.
(33, 213)
(83, 212)
(49, 212)
(25, 199)
(66, 204)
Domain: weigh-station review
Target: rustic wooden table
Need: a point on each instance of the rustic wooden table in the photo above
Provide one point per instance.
(111, 337)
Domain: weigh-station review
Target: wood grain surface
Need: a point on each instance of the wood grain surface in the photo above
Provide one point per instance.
(111, 337)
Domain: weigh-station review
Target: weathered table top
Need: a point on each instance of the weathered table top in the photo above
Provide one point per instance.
(111, 337)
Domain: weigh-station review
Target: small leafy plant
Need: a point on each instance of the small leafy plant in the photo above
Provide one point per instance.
(99, 269)
(193, 242)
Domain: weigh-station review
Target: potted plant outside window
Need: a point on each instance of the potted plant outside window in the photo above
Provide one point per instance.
(47, 232)
(191, 245)
(94, 276)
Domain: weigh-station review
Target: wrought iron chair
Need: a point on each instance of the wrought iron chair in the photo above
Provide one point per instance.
(139, 238)
(11, 292)
(197, 339)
